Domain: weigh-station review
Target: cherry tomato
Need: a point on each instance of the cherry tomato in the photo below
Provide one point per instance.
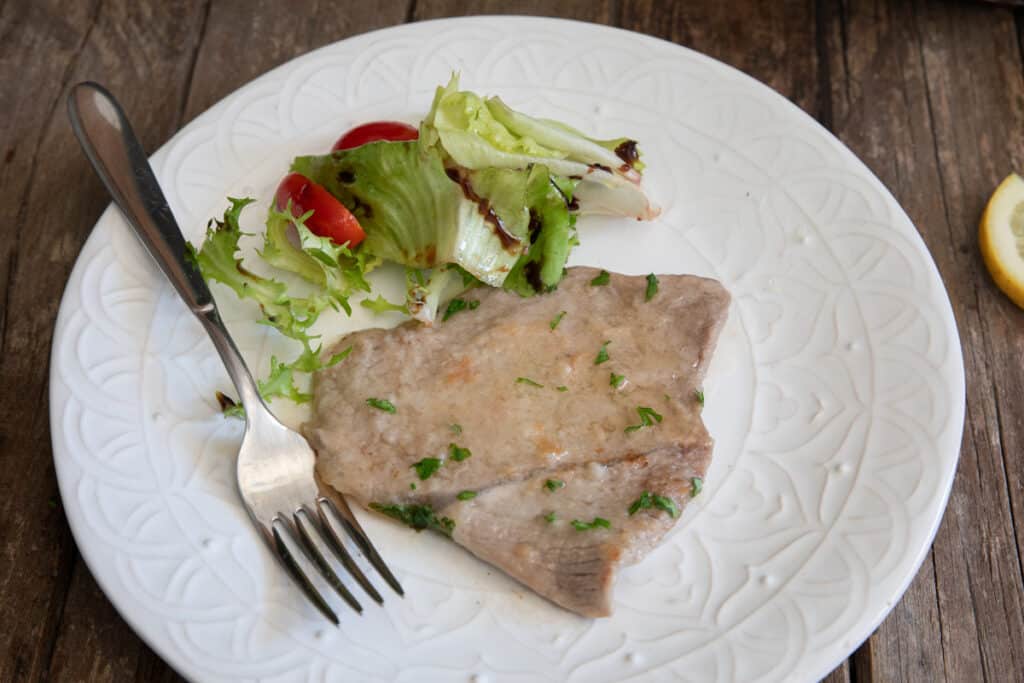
(330, 217)
(392, 131)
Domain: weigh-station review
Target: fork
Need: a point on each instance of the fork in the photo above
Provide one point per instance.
(275, 464)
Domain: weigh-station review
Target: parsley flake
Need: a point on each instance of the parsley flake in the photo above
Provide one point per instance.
(458, 454)
(466, 495)
(550, 517)
(381, 404)
(602, 355)
(456, 428)
(457, 305)
(648, 500)
(419, 517)
(527, 380)
(554, 484)
(557, 319)
(603, 278)
(641, 503)
(562, 388)
(412, 486)
(696, 486)
(616, 380)
(652, 287)
(426, 467)
(667, 504)
(699, 395)
(587, 526)
(648, 416)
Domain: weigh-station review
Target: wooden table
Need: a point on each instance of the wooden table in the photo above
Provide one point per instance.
(929, 95)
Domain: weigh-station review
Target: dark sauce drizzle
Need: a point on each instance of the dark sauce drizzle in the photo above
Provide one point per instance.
(571, 204)
(628, 153)
(508, 240)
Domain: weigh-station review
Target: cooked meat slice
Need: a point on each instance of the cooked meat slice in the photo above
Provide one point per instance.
(526, 528)
(512, 390)
(475, 371)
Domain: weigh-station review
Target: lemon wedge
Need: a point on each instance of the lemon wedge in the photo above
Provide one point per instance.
(1002, 237)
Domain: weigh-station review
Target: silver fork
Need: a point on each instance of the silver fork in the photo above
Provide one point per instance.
(275, 464)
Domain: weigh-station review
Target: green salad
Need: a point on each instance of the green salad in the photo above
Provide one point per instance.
(478, 195)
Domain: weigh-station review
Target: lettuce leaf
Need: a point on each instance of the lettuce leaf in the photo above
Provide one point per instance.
(217, 260)
(382, 305)
(478, 134)
(317, 260)
(412, 212)
(552, 235)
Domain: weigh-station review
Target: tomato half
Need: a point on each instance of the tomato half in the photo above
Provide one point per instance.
(330, 217)
(391, 131)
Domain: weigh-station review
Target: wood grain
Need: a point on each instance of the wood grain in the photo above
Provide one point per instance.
(929, 94)
(51, 191)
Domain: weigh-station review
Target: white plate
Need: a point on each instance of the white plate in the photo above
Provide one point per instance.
(837, 396)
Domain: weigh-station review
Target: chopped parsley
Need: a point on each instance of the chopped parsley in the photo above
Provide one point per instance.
(527, 380)
(419, 517)
(696, 486)
(699, 395)
(550, 517)
(603, 278)
(457, 305)
(587, 526)
(667, 504)
(466, 495)
(554, 484)
(652, 287)
(616, 380)
(648, 416)
(648, 500)
(381, 404)
(426, 467)
(456, 428)
(562, 388)
(458, 454)
(602, 355)
(412, 486)
(641, 503)
(557, 319)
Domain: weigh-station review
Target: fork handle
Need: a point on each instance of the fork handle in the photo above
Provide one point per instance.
(116, 155)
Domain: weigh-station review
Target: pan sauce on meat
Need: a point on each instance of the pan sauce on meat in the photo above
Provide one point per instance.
(527, 429)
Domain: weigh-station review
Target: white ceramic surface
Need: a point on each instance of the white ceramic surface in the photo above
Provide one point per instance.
(836, 400)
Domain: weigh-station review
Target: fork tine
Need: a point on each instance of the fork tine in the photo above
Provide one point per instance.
(314, 553)
(300, 578)
(336, 545)
(355, 531)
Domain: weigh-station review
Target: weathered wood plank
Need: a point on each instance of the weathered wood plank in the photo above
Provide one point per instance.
(773, 42)
(36, 549)
(929, 95)
(60, 201)
(245, 39)
(96, 645)
(598, 11)
(841, 674)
